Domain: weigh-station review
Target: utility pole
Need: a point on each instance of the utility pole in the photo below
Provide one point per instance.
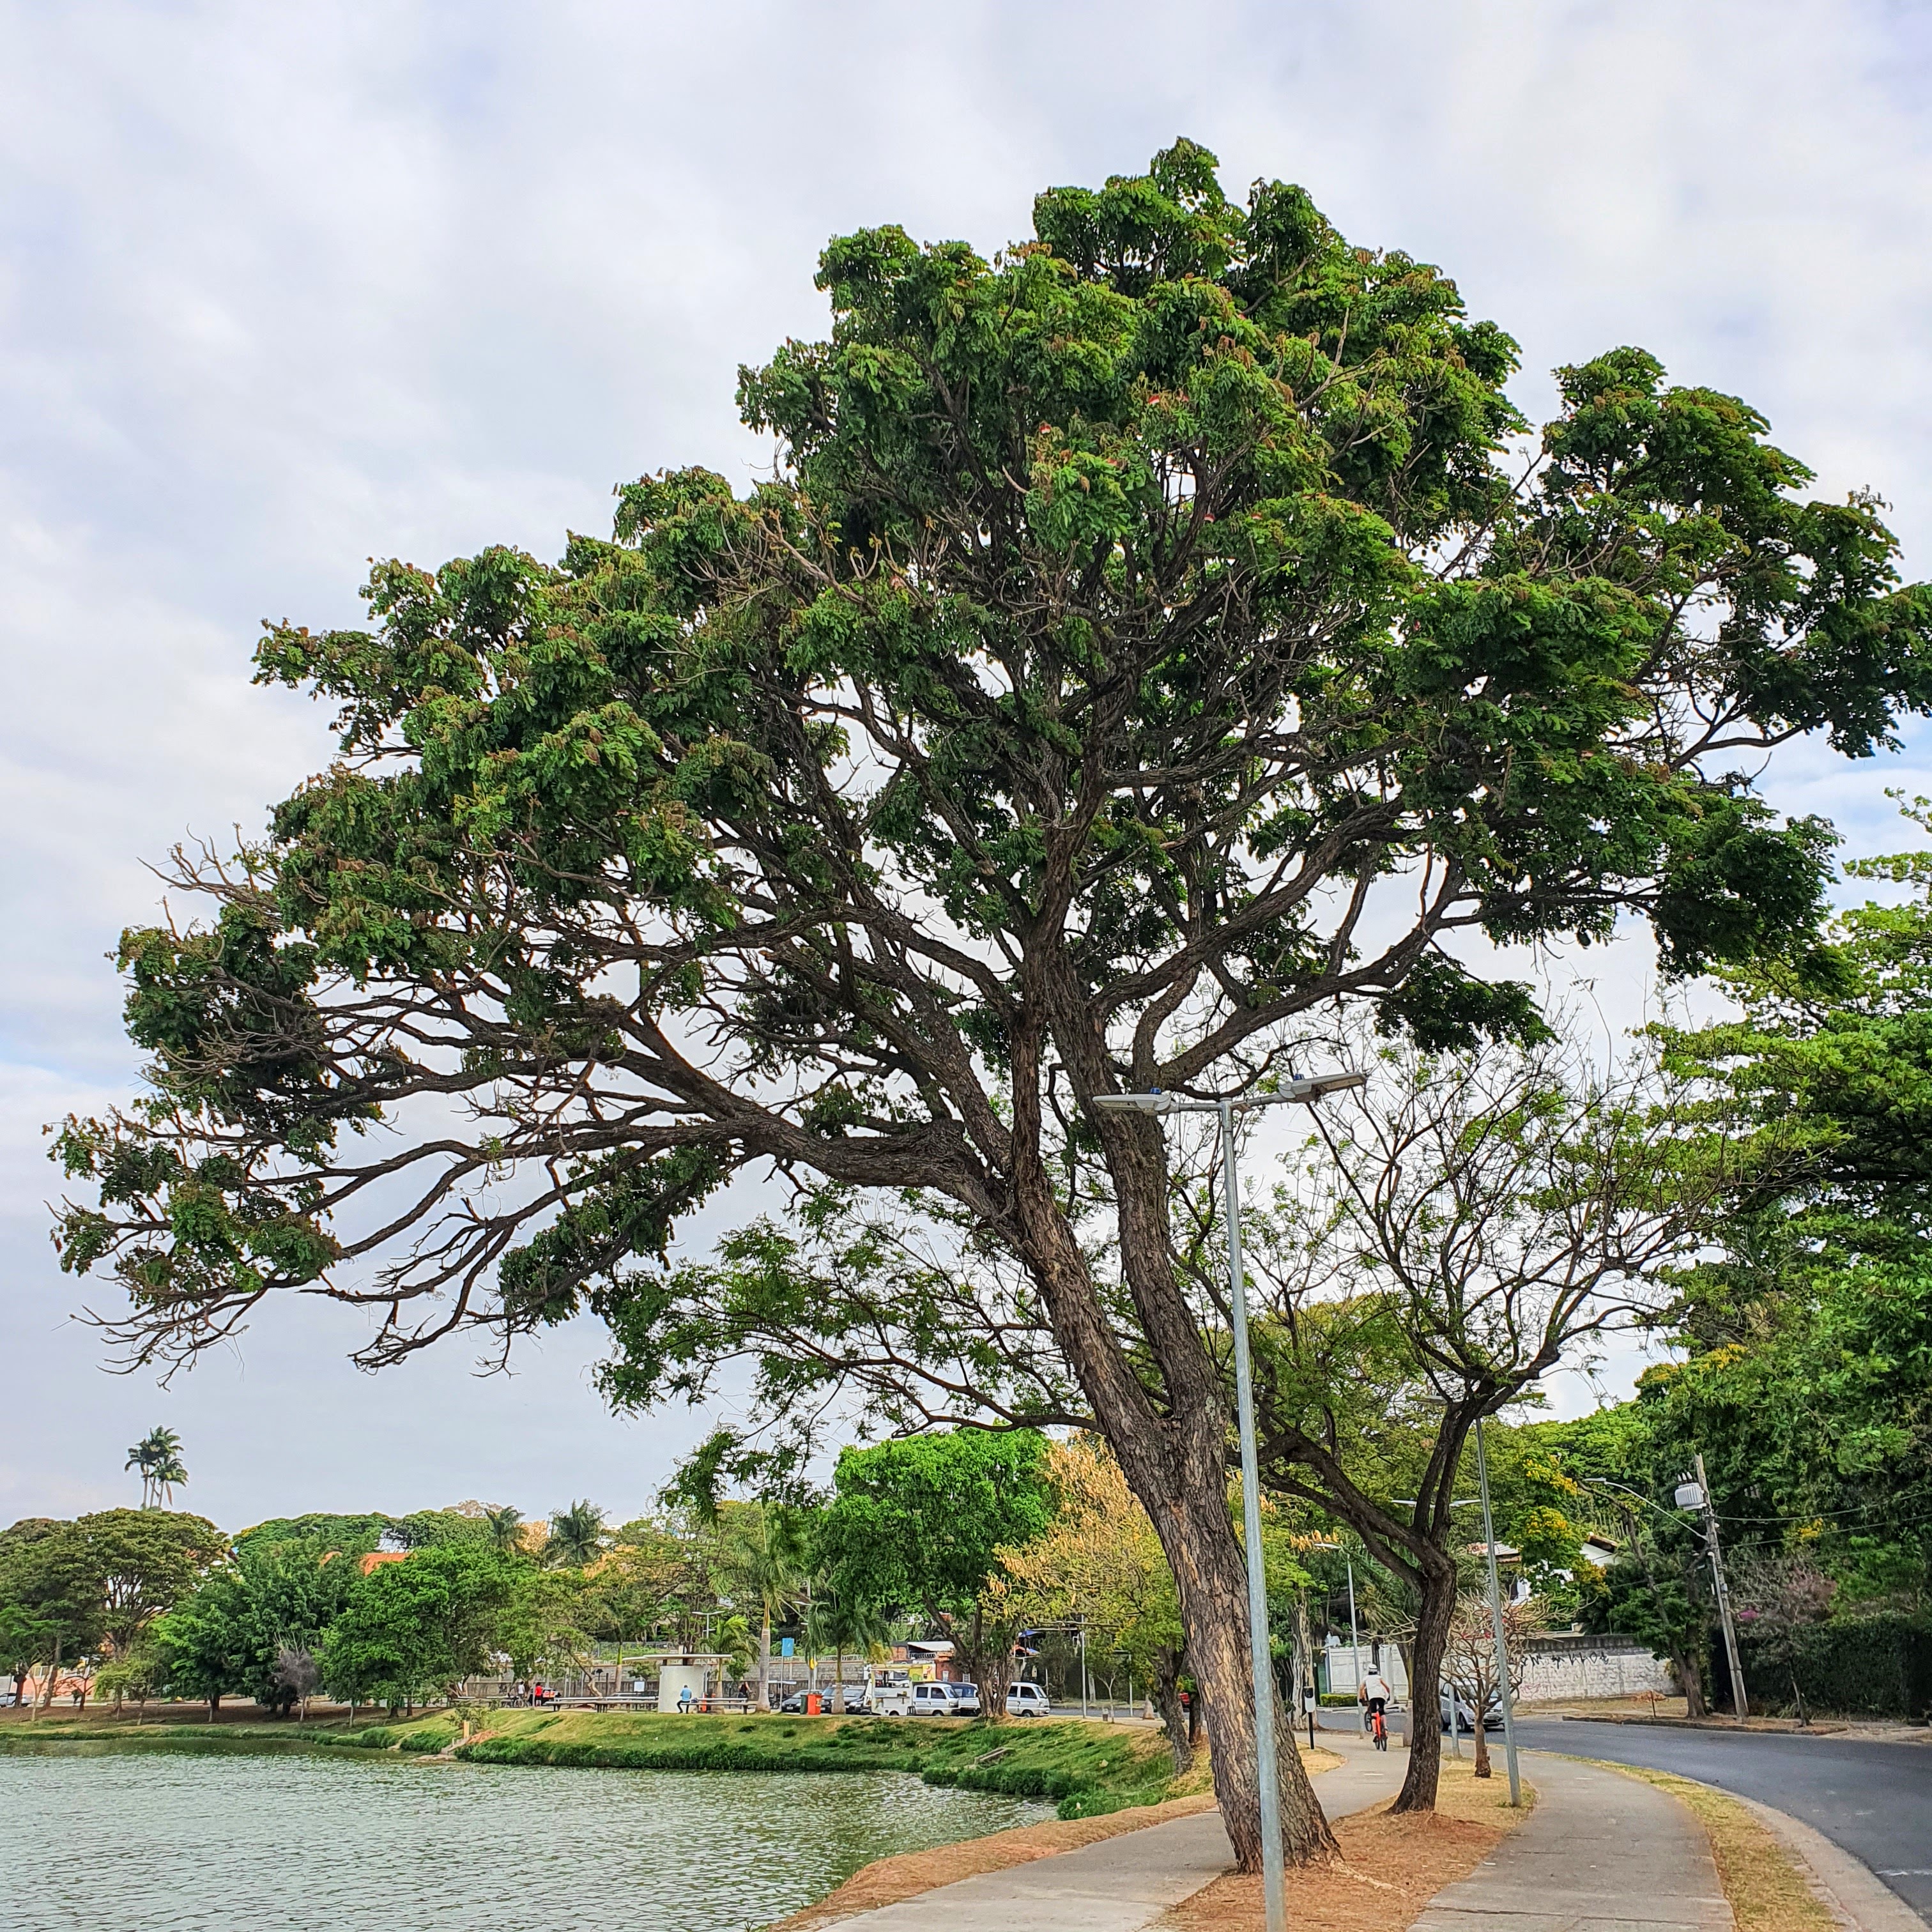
(1740, 1702)
(1496, 1624)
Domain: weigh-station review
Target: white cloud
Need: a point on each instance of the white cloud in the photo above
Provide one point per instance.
(283, 289)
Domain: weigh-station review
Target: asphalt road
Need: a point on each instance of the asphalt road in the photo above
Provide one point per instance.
(1875, 1800)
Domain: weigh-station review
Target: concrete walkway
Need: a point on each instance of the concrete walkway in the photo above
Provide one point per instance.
(1122, 1884)
(1601, 1852)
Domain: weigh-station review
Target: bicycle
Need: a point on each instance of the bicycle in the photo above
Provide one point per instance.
(1379, 1729)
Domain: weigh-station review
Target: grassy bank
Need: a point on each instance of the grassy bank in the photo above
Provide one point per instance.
(1087, 1768)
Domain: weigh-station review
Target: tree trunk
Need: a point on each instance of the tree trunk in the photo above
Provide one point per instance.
(1683, 1667)
(1425, 1673)
(1174, 1716)
(1212, 1574)
(838, 1680)
(1174, 1459)
(989, 1657)
(765, 1663)
(1481, 1701)
(46, 1697)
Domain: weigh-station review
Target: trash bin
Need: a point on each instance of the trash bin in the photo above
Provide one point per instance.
(814, 1705)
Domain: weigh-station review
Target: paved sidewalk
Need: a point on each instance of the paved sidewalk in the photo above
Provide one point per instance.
(1601, 1852)
(1122, 1884)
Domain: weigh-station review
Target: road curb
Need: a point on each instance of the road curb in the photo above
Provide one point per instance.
(1854, 1895)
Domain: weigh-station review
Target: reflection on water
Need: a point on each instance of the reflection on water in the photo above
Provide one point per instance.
(140, 1840)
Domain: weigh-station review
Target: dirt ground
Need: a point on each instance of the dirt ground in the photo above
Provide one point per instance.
(886, 1881)
(1391, 1867)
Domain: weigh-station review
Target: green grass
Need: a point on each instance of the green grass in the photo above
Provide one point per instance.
(1087, 1768)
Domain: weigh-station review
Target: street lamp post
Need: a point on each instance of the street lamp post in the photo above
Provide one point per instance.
(1496, 1624)
(1274, 1871)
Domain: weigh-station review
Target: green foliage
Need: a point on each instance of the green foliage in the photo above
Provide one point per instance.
(921, 1523)
(1808, 1382)
(356, 1533)
(146, 1561)
(1876, 1663)
(1179, 486)
(415, 1628)
(576, 1535)
(225, 1637)
(1089, 1768)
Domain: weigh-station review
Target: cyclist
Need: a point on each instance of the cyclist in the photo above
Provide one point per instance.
(1374, 1691)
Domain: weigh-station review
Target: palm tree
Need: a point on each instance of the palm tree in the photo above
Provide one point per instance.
(763, 1559)
(506, 1527)
(846, 1625)
(576, 1536)
(158, 1457)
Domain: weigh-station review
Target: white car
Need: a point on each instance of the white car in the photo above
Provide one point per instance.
(1027, 1700)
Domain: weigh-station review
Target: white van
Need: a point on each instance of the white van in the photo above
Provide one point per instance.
(1027, 1700)
(911, 1700)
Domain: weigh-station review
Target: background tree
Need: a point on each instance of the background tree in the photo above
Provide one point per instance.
(506, 1530)
(296, 1675)
(158, 1457)
(924, 1524)
(763, 1555)
(1140, 646)
(1448, 1239)
(146, 1560)
(841, 1623)
(577, 1536)
(1098, 1566)
(416, 1628)
(53, 1607)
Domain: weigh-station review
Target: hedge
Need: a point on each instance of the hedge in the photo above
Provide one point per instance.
(1878, 1666)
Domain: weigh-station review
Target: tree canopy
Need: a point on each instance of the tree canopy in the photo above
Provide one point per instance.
(1148, 638)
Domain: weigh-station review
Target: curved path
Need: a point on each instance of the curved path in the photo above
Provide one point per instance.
(1601, 1852)
(1120, 1885)
(1872, 1799)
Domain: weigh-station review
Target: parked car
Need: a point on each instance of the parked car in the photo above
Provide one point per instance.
(965, 1700)
(915, 1700)
(1027, 1700)
(1465, 1714)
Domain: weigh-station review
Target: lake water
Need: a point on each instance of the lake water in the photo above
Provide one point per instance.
(110, 1838)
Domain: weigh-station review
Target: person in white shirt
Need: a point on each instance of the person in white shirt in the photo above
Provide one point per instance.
(1374, 1691)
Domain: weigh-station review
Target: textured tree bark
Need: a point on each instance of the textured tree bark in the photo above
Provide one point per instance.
(1683, 1667)
(1425, 1673)
(1175, 1455)
(1177, 1720)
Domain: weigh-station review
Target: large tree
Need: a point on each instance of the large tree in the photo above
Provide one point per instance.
(1141, 643)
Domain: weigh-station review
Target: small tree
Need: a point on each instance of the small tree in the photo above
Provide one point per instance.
(296, 1675)
(1778, 1598)
(1462, 1228)
(1469, 1665)
(763, 1561)
(52, 1597)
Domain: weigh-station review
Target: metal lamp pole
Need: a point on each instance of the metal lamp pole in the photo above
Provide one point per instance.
(1354, 1640)
(1496, 1624)
(1274, 1865)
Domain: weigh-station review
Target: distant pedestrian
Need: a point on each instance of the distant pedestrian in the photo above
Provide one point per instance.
(684, 1701)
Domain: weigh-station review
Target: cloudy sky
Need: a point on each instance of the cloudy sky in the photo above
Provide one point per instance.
(283, 289)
